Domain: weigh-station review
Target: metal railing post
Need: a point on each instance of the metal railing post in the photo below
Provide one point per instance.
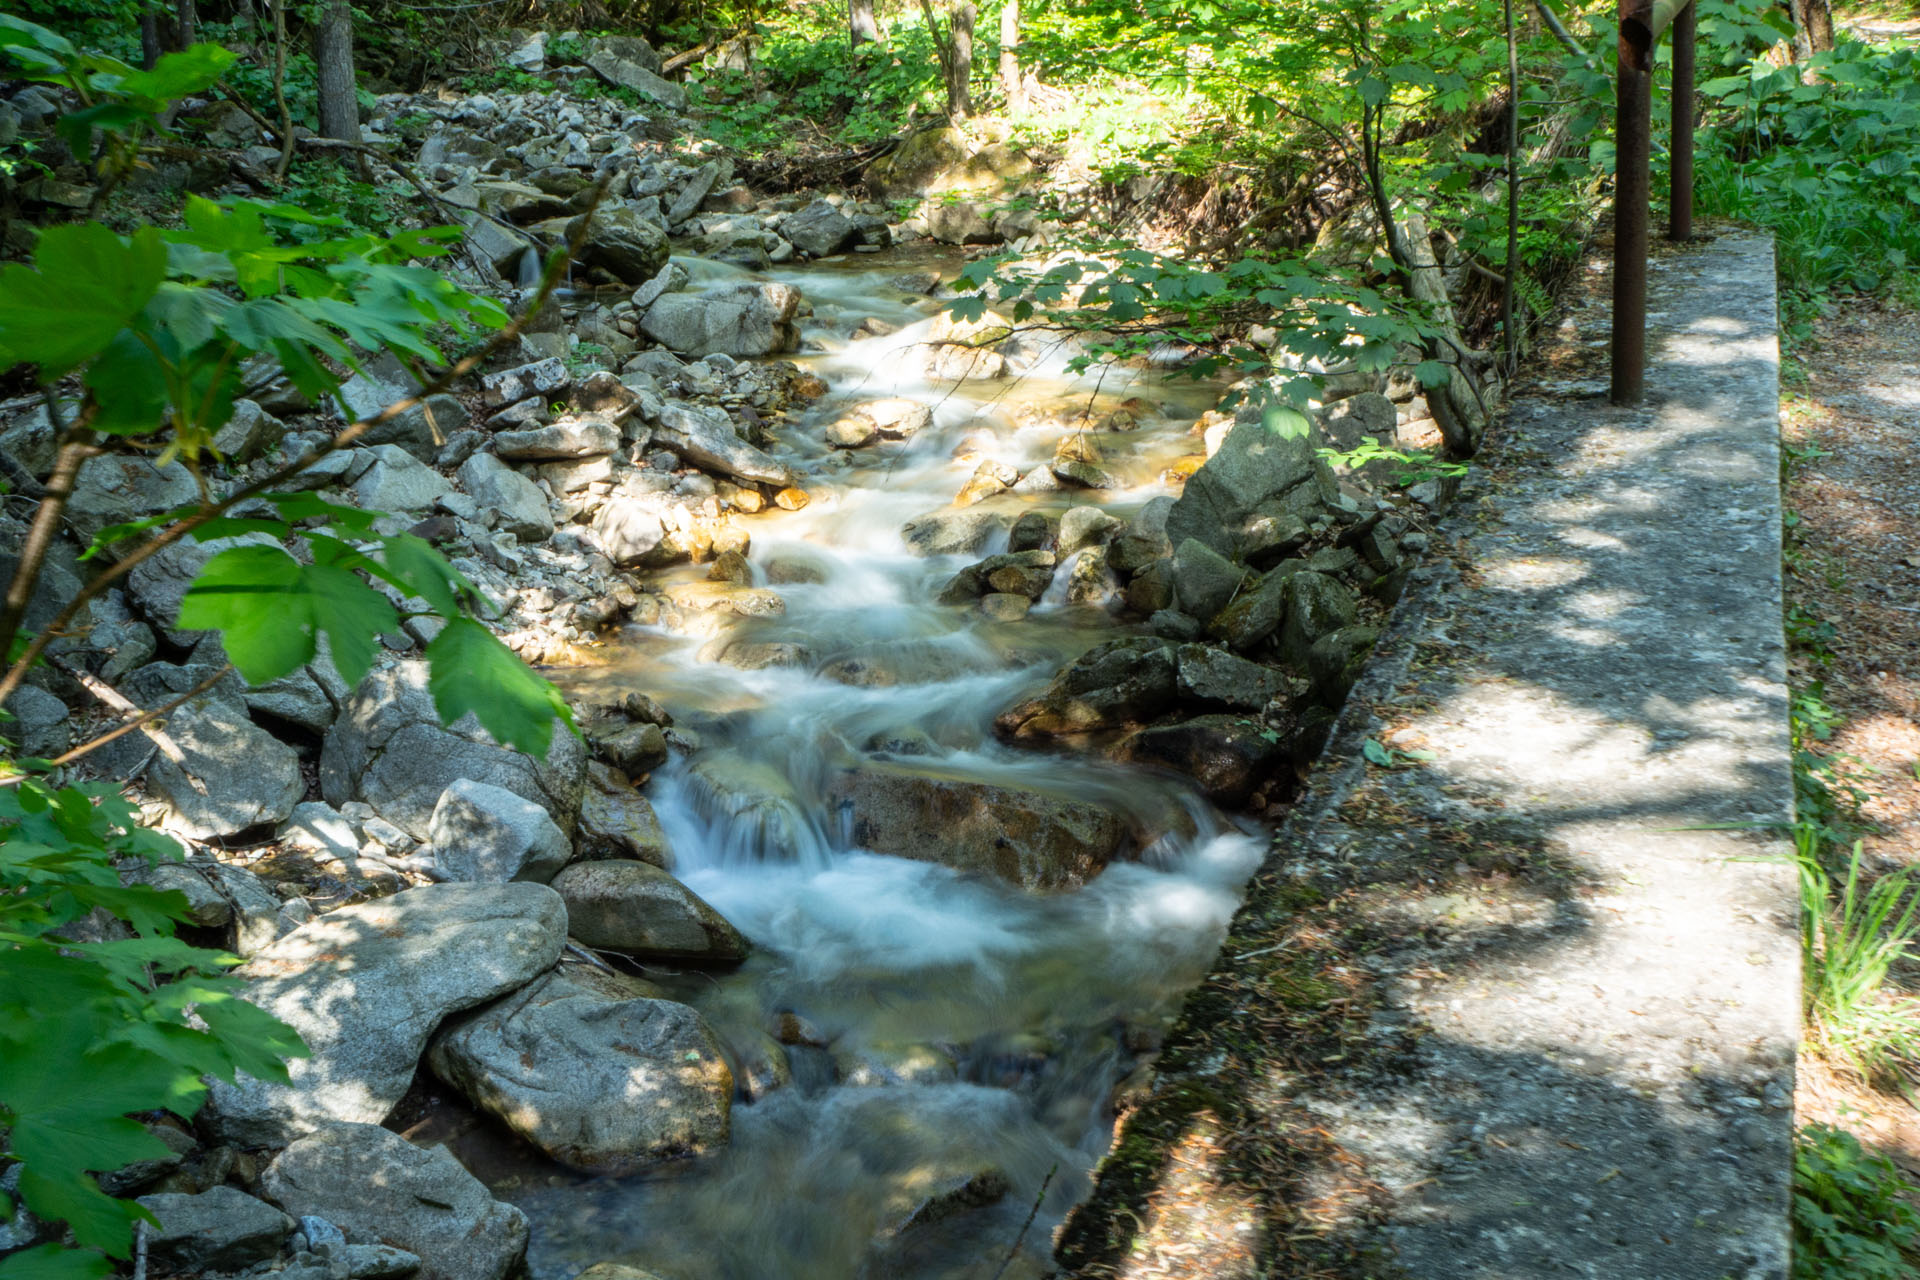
(1680, 201)
(1632, 146)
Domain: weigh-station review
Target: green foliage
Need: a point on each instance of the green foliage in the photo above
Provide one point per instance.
(1853, 1216)
(120, 102)
(1831, 164)
(324, 185)
(1414, 465)
(1122, 302)
(93, 1031)
(1853, 940)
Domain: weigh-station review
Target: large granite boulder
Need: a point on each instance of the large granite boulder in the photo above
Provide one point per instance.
(625, 61)
(704, 437)
(375, 1185)
(1121, 683)
(365, 986)
(489, 835)
(516, 503)
(389, 749)
(743, 320)
(232, 775)
(622, 243)
(637, 909)
(1255, 499)
(819, 229)
(592, 1070)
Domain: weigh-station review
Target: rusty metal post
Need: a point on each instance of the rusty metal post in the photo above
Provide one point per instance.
(1633, 129)
(1680, 201)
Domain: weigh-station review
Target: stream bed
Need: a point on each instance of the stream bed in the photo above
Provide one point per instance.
(917, 1050)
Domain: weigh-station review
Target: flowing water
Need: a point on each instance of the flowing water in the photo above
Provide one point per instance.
(950, 1025)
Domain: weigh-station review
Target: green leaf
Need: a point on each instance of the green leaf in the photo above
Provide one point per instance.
(1285, 422)
(176, 75)
(85, 285)
(251, 595)
(129, 386)
(54, 1262)
(470, 671)
(1376, 754)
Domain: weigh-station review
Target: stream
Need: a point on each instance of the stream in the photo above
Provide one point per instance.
(952, 1042)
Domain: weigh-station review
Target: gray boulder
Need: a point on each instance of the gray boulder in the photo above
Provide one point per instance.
(218, 1230)
(389, 749)
(1212, 675)
(638, 909)
(510, 386)
(1256, 495)
(1204, 581)
(1123, 682)
(819, 229)
(592, 1070)
(616, 821)
(585, 436)
(627, 526)
(388, 478)
(488, 834)
(619, 69)
(687, 203)
(116, 490)
(1317, 605)
(622, 243)
(233, 775)
(250, 432)
(41, 726)
(420, 430)
(366, 985)
(516, 502)
(705, 437)
(744, 320)
(375, 1185)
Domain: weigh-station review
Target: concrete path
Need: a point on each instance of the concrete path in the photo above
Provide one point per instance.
(1558, 973)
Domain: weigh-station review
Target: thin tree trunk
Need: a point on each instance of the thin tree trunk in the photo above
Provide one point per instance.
(149, 38)
(187, 20)
(861, 26)
(333, 58)
(1508, 328)
(1010, 82)
(280, 89)
(1819, 19)
(960, 77)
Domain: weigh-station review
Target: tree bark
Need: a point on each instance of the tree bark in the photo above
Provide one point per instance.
(861, 27)
(333, 58)
(187, 21)
(1010, 82)
(1817, 15)
(149, 38)
(960, 73)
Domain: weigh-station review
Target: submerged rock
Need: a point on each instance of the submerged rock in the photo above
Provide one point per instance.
(1023, 835)
(591, 1069)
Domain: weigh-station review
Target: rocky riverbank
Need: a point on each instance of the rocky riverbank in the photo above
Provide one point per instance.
(1196, 592)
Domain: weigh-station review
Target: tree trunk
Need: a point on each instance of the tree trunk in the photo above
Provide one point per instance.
(149, 38)
(960, 70)
(1010, 82)
(187, 20)
(333, 58)
(861, 27)
(1818, 15)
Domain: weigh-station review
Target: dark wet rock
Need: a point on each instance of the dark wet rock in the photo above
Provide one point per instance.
(616, 821)
(1152, 588)
(220, 1229)
(1258, 611)
(1252, 494)
(1204, 581)
(622, 243)
(1115, 685)
(389, 749)
(638, 909)
(591, 1069)
(819, 229)
(1228, 755)
(1316, 605)
(1335, 661)
(375, 1185)
(634, 749)
(1209, 675)
(1144, 539)
(1033, 531)
(1023, 835)
(366, 985)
